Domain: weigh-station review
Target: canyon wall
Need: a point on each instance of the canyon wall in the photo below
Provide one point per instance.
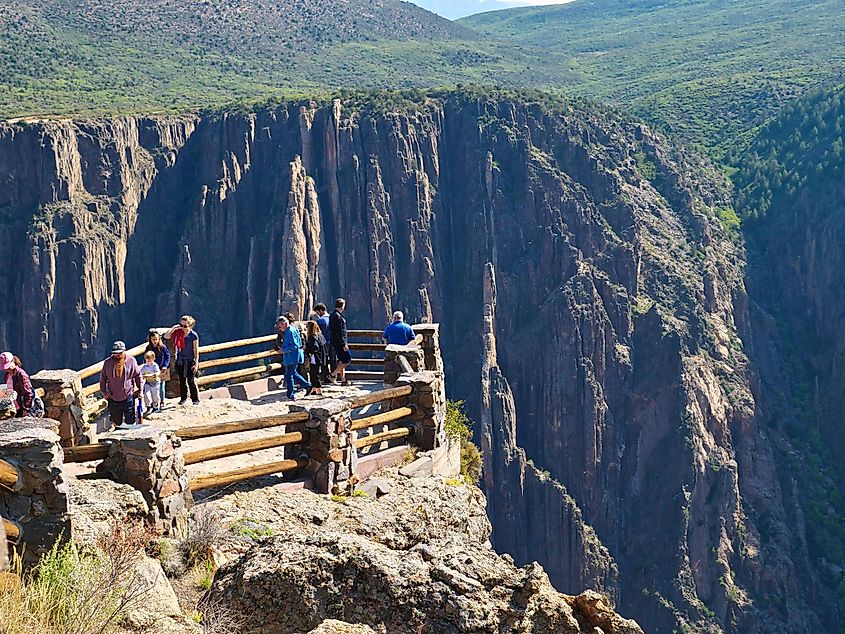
(594, 311)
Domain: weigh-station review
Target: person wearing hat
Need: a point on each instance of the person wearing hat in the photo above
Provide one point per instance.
(15, 378)
(120, 382)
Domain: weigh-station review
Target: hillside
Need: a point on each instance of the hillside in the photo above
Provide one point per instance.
(710, 71)
(93, 57)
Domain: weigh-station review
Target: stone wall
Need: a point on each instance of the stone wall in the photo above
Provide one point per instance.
(328, 444)
(400, 360)
(64, 402)
(429, 401)
(151, 461)
(38, 501)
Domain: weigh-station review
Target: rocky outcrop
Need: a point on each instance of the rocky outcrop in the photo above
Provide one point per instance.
(419, 569)
(576, 260)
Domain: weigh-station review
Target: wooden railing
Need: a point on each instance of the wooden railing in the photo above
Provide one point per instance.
(89, 453)
(220, 364)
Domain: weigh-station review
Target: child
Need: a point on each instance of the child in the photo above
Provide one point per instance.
(151, 374)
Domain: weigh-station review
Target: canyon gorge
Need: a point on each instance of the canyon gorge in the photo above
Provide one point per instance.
(599, 317)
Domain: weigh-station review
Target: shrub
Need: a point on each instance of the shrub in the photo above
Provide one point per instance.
(458, 427)
(76, 591)
(205, 532)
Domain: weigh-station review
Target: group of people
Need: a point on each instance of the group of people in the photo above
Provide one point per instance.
(321, 344)
(134, 391)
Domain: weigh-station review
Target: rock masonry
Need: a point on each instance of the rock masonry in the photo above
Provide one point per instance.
(151, 461)
(38, 502)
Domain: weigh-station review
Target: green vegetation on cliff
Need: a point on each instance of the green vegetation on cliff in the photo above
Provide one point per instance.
(710, 71)
(799, 153)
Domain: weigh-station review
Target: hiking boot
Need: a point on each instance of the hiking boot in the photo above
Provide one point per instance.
(183, 401)
(308, 391)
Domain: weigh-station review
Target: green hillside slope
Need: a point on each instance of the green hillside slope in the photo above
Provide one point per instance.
(96, 57)
(708, 70)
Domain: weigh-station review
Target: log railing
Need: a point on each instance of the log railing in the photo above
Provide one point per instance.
(8, 475)
(13, 532)
(220, 365)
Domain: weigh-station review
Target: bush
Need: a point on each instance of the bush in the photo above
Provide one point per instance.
(205, 533)
(459, 428)
(75, 591)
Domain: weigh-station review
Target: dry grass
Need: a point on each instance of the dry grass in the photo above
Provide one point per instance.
(75, 591)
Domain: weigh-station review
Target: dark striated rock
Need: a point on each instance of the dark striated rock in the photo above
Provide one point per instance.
(575, 261)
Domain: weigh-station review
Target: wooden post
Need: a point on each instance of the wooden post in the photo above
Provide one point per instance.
(13, 532)
(8, 475)
(86, 453)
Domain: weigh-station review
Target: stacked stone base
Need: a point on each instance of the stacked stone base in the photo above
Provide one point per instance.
(151, 461)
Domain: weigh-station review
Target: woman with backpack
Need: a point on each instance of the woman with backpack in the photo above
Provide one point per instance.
(316, 350)
(15, 378)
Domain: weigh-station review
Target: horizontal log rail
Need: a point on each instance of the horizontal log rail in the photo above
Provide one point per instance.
(377, 439)
(240, 343)
(40, 392)
(381, 419)
(86, 453)
(367, 361)
(235, 449)
(13, 531)
(91, 370)
(8, 475)
(381, 395)
(237, 426)
(365, 333)
(238, 374)
(239, 475)
(216, 363)
(372, 347)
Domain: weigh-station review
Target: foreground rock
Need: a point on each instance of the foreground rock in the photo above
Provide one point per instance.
(416, 560)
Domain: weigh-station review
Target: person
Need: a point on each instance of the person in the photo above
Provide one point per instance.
(162, 358)
(316, 349)
(292, 356)
(151, 376)
(323, 321)
(188, 360)
(399, 333)
(120, 382)
(340, 345)
(16, 378)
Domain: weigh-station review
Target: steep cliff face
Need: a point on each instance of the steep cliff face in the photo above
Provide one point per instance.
(575, 261)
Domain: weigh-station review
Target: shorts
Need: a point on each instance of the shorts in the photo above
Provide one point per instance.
(342, 355)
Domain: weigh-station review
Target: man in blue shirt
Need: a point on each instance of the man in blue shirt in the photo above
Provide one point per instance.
(399, 332)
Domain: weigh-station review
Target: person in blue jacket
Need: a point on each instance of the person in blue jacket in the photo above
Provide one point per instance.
(399, 333)
(292, 356)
